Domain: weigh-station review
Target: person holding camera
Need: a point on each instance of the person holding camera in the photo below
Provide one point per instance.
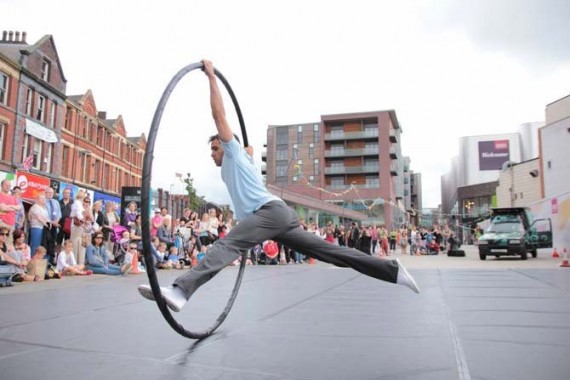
(39, 220)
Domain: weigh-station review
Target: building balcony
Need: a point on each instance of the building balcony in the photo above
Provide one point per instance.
(393, 153)
(351, 152)
(362, 135)
(264, 168)
(352, 169)
(264, 155)
(394, 169)
(393, 136)
(406, 180)
(339, 188)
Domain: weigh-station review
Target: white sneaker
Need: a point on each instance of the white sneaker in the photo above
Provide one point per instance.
(405, 278)
(173, 296)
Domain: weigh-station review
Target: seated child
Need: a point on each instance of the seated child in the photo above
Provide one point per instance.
(173, 258)
(163, 255)
(66, 263)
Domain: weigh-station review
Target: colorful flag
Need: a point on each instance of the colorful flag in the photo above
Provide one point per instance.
(179, 175)
(27, 164)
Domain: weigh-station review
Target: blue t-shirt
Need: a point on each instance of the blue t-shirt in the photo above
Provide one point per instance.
(243, 180)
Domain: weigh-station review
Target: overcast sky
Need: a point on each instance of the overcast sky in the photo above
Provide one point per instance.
(448, 68)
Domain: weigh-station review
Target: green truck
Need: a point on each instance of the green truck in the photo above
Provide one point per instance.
(513, 232)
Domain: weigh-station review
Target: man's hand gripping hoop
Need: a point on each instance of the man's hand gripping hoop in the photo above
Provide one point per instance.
(145, 199)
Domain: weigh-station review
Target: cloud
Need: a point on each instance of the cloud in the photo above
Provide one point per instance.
(536, 31)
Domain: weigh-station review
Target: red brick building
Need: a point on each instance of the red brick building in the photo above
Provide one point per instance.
(96, 151)
(66, 138)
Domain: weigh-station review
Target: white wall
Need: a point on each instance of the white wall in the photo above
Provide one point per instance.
(555, 150)
(470, 173)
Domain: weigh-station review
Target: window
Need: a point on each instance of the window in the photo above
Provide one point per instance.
(65, 159)
(83, 166)
(311, 151)
(281, 170)
(281, 154)
(316, 166)
(40, 113)
(295, 151)
(371, 147)
(2, 134)
(67, 124)
(299, 134)
(46, 67)
(315, 133)
(29, 101)
(48, 158)
(372, 182)
(282, 136)
(337, 130)
(337, 182)
(4, 88)
(52, 112)
(96, 170)
(337, 164)
(337, 149)
(37, 154)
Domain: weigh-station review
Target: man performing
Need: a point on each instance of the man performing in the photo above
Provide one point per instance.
(262, 216)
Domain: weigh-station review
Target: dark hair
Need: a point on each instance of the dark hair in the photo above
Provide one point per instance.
(17, 234)
(95, 237)
(217, 137)
(16, 188)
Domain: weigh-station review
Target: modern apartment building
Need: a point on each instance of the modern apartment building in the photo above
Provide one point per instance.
(351, 160)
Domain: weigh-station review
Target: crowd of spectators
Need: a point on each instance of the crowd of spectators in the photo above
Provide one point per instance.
(78, 237)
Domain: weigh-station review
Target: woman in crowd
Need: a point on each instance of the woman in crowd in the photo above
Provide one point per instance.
(39, 219)
(110, 220)
(203, 228)
(130, 215)
(18, 256)
(97, 260)
(98, 217)
(164, 232)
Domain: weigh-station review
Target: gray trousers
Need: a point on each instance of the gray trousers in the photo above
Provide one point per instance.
(277, 221)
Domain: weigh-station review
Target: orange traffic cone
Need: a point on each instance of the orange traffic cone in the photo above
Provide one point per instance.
(135, 264)
(555, 253)
(565, 263)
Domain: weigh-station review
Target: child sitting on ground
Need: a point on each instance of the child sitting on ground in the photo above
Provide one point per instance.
(164, 263)
(66, 263)
(172, 257)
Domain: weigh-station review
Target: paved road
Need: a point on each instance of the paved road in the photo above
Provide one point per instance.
(498, 319)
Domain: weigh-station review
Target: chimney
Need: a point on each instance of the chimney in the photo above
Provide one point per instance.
(24, 35)
(10, 35)
(17, 37)
(4, 35)
(102, 115)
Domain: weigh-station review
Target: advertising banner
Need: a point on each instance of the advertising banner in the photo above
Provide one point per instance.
(493, 154)
(31, 184)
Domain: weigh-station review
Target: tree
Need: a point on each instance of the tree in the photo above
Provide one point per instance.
(194, 200)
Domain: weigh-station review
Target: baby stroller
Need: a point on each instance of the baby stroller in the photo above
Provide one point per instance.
(118, 251)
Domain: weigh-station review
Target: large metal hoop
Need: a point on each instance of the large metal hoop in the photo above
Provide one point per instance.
(145, 199)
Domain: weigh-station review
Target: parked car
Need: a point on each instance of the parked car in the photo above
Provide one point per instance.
(512, 232)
